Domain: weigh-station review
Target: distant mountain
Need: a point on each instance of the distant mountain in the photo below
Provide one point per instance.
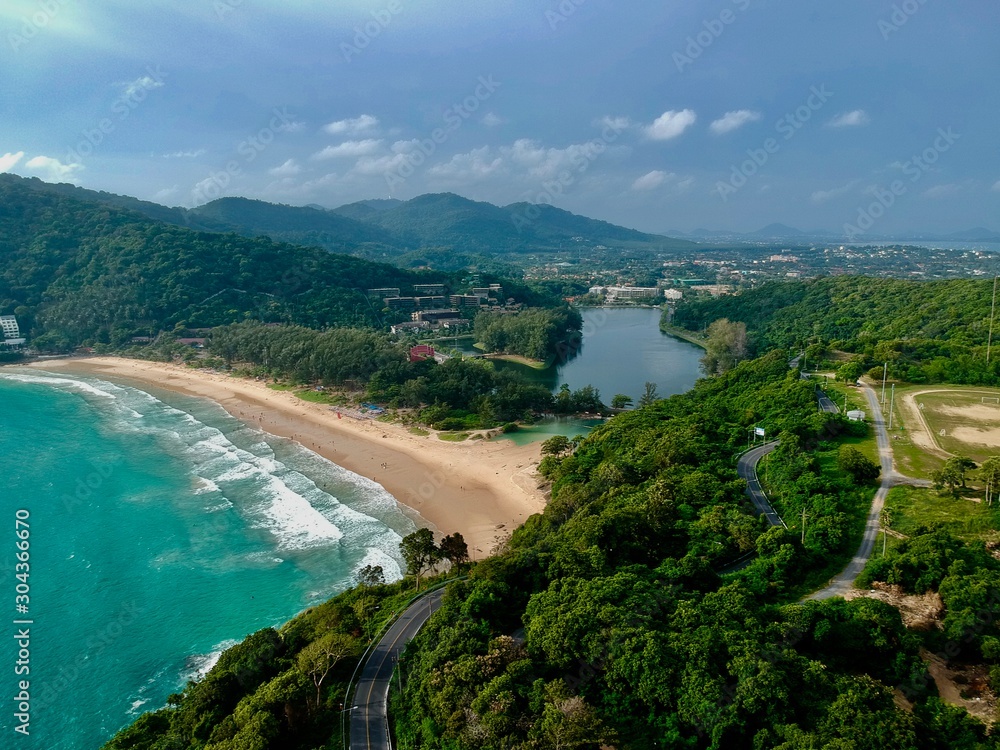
(776, 231)
(298, 225)
(365, 209)
(443, 227)
(711, 233)
(84, 271)
(152, 210)
(446, 219)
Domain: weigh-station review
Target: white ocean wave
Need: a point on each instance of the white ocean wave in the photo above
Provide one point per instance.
(199, 665)
(65, 383)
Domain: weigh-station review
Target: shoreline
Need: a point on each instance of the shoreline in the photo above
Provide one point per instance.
(680, 333)
(482, 490)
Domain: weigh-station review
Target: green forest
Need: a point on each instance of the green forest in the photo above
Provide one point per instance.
(616, 616)
(457, 394)
(545, 335)
(76, 272)
(927, 331)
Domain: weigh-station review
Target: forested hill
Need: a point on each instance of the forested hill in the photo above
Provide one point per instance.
(603, 621)
(85, 272)
(405, 233)
(446, 219)
(943, 325)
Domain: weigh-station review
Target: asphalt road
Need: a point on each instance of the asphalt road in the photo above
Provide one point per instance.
(844, 582)
(369, 723)
(826, 404)
(747, 469)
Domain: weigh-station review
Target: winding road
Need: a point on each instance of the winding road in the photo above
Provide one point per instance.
(369, 715)
(747, 470)
(844, 582)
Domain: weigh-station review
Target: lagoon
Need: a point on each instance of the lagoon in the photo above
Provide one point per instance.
(623, 349)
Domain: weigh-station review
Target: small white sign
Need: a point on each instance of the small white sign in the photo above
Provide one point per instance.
(758, 431)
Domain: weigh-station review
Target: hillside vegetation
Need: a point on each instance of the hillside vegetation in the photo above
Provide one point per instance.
(928, 331)
(605, 620)
(444, 230)
(78, 272)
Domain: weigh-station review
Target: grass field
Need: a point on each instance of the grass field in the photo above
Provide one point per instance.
(910, 508)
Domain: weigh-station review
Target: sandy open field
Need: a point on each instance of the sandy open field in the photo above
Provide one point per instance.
(482, 489)
(945, 421)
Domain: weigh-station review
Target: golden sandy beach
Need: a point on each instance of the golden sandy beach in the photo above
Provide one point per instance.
(483, 490)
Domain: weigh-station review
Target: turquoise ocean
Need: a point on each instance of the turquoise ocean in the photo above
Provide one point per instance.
(162, 530)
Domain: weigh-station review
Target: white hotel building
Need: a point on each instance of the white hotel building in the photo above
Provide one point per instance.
(11, 330)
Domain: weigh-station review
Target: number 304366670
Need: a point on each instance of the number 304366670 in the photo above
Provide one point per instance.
(22, 568)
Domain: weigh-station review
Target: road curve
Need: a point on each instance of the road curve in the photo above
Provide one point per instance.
(369, 715)
(826, 404)
(844, 582)
(747, 469)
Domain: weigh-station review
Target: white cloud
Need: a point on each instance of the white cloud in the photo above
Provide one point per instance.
(352, 126)
(8, 161)
(380, 165)
(539, 163)
(822, 196)
(295, 126)
(289, 169)
(850, 119)
(349, 149)
(996, 185)
(185, 154)
(651, 180)
(166, 193)
(671, 124)
(616, 124)
(469, 167)
(309, 189)
(143, 83)
(733, 120)
(53, 170)
(942, 191)
(492, 119)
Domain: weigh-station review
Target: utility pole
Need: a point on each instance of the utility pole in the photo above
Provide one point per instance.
(892, 402)
(845, 404)
(993, 307)
(885, 371)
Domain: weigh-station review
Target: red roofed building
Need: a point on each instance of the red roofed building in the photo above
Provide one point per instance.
(421, 352)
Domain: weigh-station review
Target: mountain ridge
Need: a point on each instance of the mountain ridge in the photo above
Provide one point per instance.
(387, 230)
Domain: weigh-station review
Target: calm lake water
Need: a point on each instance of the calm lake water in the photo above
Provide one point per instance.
(623, 349)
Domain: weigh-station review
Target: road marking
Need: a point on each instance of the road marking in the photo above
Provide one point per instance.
(403, 623)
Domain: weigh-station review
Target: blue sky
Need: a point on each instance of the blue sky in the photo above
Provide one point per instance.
(724, 114)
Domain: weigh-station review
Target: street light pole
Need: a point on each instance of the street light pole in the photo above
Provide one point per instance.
(993, 307)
